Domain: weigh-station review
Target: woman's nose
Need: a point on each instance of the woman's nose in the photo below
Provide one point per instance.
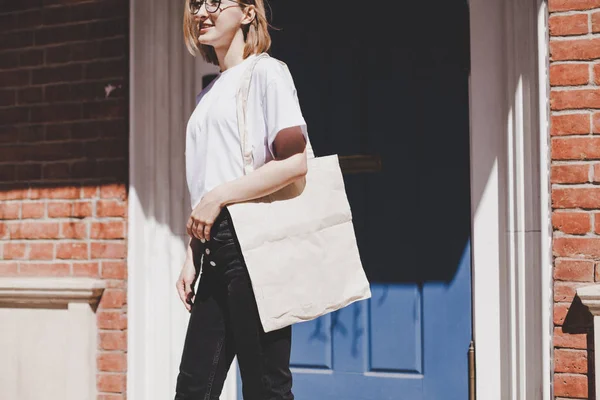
(202, 14)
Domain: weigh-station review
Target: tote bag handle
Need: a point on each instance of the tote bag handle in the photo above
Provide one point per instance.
(242, 106)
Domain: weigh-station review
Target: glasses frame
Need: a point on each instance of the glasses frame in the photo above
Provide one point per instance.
(197, 5)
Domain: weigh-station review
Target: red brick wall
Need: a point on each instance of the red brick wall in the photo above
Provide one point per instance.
(575, 175)
(64, 154)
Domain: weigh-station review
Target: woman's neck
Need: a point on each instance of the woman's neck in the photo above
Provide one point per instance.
(233, 54)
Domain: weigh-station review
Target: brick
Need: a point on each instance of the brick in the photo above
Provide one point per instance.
(572, 173)
(14, 251)
(72, 251)
(14, 194)
(109, 250)
(597, 224)
(45, 269)
(31, 58)
(57, 54)
(560, 312)
(579, 148)
(16, 40)
(586, 198)
(56, 113)
(33, 210)
(569, 340)
(114, 270)
(111, 208)
(111, 320)
(569, 74)
(29, 172)
(34, 230)
(107, 28)
(59, 192)
(82, 209)
(89, 192)
(575, 99)
(108, 230)
(565, 291)
(113, 340)
(9, 210)
(9, 60)
(73, 230)
(572, 223)
(17, 78)
(563, 25)
(574, 270)
(571, 385)
(54, 75)
(576, 247)
(60, 34)
(596, 22)
(572, 361)
(113, 298)
(111, 148)
(9, 268)
(88, 269)
(56, 171)
(59, 209)
(577, 49)
(8, 173)
(112, 362)
(115, 190)
(11, 6)
(111, 383)
(107, 108)
(8, 97)
(14, 115)
(30, 95)
(41, 251)
(106, 69)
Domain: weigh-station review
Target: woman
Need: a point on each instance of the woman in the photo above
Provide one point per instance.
(224, 320)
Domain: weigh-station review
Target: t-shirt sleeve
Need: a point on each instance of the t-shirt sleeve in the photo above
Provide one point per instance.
(281, 106)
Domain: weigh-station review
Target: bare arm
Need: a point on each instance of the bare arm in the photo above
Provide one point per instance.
(289, 164)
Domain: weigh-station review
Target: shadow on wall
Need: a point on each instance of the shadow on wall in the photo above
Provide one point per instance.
(579, 320)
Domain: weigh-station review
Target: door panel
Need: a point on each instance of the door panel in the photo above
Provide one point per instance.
(372, 81)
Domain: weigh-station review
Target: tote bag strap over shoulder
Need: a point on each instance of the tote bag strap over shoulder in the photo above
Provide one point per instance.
(242, 106)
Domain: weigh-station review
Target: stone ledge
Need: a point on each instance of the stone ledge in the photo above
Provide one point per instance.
(590, 297)
(50, 290)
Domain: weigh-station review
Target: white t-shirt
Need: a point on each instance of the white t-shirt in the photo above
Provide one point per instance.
(213, 152)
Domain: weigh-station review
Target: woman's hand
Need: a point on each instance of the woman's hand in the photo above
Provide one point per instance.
(185, 283)
(204, 215)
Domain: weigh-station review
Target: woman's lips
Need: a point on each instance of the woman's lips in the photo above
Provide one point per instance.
(204, 28)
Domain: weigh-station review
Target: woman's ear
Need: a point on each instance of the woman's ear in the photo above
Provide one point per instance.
(249, 15)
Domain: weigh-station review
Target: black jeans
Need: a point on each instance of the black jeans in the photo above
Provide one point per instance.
(224, 322)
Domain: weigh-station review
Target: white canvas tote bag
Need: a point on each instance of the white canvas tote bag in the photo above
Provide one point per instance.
(298, 243)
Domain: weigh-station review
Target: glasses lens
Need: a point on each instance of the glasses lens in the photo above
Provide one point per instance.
(195, 6)
(212, 5)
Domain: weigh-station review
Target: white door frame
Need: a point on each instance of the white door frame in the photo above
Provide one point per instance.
(509, 191)
(512, 280)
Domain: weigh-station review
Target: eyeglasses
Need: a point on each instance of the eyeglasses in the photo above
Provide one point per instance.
(211, 6)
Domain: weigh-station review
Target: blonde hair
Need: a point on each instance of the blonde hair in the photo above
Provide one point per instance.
(256, 33)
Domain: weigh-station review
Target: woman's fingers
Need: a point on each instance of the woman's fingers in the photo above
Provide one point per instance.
(207, 231)
(182, 294)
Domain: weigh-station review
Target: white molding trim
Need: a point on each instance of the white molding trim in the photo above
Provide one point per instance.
(512, 324)
(49, 290)
(590, 297)
(164, 80)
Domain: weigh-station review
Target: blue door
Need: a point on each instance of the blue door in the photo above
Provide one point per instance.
(386, 86)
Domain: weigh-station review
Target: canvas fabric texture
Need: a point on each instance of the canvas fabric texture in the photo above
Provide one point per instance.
(298, 243)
